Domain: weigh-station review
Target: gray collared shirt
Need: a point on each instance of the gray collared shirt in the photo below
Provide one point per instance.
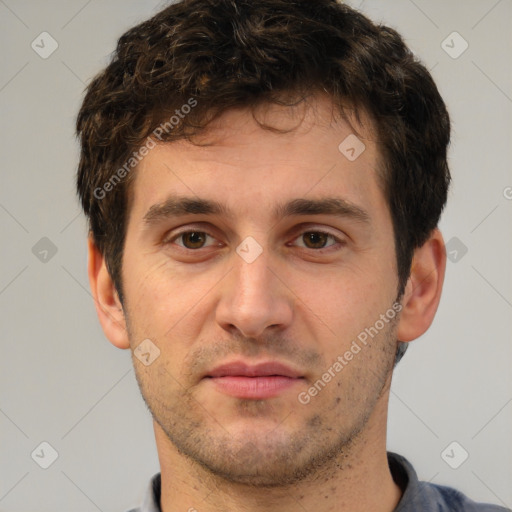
(417, 496)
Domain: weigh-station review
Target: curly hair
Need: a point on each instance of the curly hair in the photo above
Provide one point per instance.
(204, 57)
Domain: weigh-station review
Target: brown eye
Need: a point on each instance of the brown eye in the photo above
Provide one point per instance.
(192, 239)
(315, 239)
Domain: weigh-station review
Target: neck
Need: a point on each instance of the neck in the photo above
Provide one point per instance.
(357, 482)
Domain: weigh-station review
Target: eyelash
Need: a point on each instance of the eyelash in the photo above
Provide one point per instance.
(313, 231)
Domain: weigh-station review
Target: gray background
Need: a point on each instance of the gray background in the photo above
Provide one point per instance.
(62, 382)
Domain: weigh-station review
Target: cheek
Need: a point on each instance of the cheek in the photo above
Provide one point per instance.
(163, 298)
(147, 287)
(345, 301)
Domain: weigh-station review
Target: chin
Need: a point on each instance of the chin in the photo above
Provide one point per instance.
(262, 458)
(262, 473)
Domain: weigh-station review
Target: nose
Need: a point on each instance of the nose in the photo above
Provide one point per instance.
(254, 298)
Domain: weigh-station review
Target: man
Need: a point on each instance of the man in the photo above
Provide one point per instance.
(263, 182)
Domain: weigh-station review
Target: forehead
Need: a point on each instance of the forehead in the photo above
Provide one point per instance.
(237, 162)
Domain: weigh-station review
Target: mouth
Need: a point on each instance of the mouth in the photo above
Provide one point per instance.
(257, 382)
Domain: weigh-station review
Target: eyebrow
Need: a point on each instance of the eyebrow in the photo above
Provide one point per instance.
(179, 206)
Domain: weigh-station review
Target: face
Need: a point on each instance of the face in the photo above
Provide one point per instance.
(254, 264)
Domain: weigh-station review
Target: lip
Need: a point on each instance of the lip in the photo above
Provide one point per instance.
(264, 380)
(264, 369)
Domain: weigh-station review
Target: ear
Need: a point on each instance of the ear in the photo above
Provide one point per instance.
(423, 290)
(108, 306)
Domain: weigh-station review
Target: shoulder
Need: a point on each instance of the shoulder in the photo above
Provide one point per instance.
(449, 499)
(427, 497)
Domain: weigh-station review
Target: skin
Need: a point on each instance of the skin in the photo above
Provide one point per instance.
(295, 303)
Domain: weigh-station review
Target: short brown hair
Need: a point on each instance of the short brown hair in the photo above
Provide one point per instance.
(224, 54)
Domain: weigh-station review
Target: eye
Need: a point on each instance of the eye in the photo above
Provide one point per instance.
(194, 240)
(191, 239)
(317, 239)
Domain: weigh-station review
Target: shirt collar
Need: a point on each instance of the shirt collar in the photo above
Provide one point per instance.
(151, 501)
